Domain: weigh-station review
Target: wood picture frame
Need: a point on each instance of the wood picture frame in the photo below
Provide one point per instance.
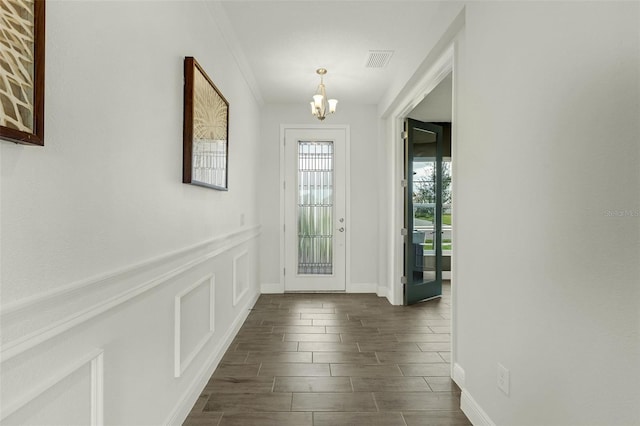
(205, 148)
(22, 50)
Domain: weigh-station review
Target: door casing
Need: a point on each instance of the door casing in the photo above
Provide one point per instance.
(440, 69)
(433, 72)
(319, 128)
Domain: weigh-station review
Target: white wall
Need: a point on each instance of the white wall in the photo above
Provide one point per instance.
(436, 24)
(437, 105)
(547, 272)
(363, 122)
(101, 240)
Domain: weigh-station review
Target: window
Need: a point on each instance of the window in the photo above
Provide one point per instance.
(424, 203)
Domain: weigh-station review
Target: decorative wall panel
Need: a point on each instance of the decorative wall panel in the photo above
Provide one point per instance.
(194, 314)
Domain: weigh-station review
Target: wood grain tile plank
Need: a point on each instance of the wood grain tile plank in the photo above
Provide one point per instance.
(312, 384)
(291, 369)
(272, 357)
(312, 337)
(361, 370)
(356, 402)
(267, 419)
(409, 357)
(346, 357)
(436, 418)
(389, 384)
(358, 419)
(416, 401)
(217, 385)
(327, 347)
(249, 402)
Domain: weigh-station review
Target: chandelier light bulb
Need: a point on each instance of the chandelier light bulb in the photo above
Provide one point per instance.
(333, 103)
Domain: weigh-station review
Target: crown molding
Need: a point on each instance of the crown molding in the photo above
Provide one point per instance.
(218, 14)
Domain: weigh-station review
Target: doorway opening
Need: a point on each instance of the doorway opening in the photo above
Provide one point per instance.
(428, 167)
(431, 99)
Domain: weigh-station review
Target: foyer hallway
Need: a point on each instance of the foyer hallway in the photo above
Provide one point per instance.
(335, 359)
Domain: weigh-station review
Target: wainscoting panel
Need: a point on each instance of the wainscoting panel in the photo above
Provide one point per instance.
(200, 379)
(240, 276)
(161, 326)
(194, 321)
(29, 322)
(73, 395)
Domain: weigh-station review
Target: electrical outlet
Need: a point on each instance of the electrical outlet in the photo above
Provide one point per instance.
(503, 379)
(241, 219)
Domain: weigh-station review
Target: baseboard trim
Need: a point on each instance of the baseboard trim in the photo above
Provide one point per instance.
(473, 411)
(383, 292)
(190, 396)
(362, 287)
(458, 375)
(278, 288)
(271, 288)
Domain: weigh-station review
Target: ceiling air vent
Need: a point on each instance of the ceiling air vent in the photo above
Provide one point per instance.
(379, 58)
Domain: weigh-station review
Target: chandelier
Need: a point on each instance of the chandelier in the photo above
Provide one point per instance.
(320, 104)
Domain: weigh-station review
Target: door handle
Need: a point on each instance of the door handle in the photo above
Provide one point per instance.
(341, 229)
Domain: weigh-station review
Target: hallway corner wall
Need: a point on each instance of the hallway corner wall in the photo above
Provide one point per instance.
(548, 208)
(121, 286)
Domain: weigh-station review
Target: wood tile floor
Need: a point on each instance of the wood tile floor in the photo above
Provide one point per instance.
(335, 359)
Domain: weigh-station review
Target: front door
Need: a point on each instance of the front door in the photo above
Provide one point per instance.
(423, 211)
(315, 220)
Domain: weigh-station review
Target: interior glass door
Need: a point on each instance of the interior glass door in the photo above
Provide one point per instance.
(423, 211)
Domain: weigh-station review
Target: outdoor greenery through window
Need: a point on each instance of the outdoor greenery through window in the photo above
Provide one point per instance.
(424, 202)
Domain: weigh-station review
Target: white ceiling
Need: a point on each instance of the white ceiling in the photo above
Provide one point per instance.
(284, 42)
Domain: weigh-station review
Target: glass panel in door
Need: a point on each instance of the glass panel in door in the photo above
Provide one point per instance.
(423, 211)
(315, 208)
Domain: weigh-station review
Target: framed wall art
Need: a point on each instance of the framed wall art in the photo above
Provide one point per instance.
(206, 130)
(22, 71)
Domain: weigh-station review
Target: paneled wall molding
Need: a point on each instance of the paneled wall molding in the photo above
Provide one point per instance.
(240, 277)
(181, 363)
(29, 322)
(201, 377)
(223, 240)
(95, 358)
